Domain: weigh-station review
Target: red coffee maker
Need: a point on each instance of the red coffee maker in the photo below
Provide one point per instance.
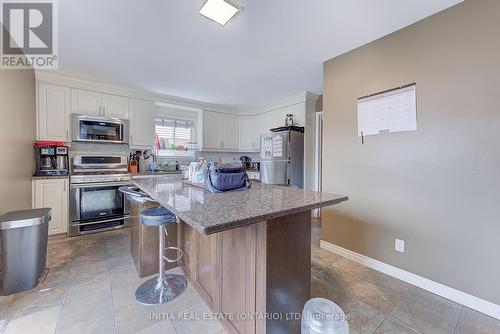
(51, 159)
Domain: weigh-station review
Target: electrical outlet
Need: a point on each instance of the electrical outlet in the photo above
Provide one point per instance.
(399, 245)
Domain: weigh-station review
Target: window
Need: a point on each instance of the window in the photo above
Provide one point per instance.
(175, 136)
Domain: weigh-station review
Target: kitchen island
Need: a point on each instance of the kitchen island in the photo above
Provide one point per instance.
(247, 253)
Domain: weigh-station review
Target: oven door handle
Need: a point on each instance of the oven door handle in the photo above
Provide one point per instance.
(101, 184)
(126, 217)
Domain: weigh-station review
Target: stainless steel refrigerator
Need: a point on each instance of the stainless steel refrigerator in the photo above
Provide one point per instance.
(282, 158)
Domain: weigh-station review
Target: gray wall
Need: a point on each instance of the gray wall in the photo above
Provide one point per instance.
(438, 188)
(17, 133)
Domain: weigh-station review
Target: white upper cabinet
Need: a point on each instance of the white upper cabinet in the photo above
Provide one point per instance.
(115, 106)
(278, 118)
(272, 119)
(52, 114)
(251, 128)
(230, 129)
(258, 129)
(279, 115)
(98, 104)
(220, 131)
(266, 122)
(87, 103)
(142, 124)
(212, 130)
(247, 129)
(228, 132)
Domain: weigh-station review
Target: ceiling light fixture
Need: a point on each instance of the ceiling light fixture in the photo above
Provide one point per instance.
(219, 11)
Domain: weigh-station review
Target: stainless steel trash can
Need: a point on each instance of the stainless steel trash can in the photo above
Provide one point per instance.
(23, 247)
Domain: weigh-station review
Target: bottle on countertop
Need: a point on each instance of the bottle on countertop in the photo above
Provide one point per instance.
(133, 167)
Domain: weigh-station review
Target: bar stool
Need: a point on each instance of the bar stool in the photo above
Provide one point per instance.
(164, 287)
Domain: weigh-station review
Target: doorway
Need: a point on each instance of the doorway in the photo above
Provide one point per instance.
(318, 152)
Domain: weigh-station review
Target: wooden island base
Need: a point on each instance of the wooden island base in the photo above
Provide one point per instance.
(254, 271)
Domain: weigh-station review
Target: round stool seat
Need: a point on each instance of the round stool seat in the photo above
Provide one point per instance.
(157, 216)
(137, 199)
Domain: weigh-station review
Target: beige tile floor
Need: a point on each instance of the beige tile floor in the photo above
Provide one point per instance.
(91, 283)
(377, 303)
(90, 289)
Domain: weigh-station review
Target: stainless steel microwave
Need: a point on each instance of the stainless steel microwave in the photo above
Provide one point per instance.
(99, 129)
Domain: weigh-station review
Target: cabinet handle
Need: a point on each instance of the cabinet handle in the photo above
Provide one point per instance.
(67, 134)
(103, 111)
(64, 186)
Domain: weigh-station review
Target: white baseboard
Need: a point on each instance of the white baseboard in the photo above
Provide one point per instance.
(457, 296)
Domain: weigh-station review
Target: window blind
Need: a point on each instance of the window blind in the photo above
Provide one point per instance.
(176, 132)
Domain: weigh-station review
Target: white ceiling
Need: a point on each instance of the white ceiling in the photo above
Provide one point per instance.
(271, 50)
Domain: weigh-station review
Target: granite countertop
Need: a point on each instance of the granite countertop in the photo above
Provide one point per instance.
(211, 213)
(37, 177)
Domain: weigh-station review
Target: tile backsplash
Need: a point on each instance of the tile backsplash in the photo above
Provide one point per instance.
(228, 156)
(86, 148)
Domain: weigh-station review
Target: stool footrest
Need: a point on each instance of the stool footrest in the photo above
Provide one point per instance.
(180, 253)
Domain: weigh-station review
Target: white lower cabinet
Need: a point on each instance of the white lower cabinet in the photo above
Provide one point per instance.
(141, 124)
(53, 193)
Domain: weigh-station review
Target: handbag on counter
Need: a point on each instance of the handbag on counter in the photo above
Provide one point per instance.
(221, 177)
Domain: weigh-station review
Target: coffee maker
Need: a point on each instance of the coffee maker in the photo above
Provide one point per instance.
(246, 161)
(51, 159)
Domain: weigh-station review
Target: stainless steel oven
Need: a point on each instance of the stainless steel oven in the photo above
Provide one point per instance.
(99, 129)
(96, 204)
